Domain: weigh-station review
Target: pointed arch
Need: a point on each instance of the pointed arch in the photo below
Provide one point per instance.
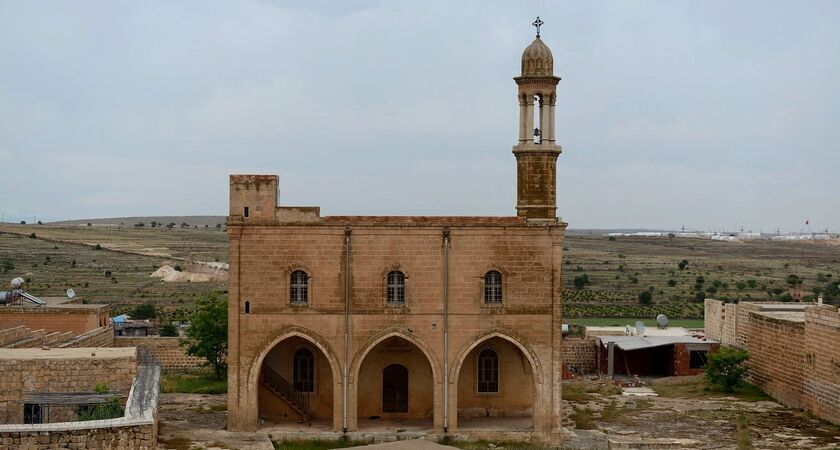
(400, 332)
(283, 334)
(507, 335)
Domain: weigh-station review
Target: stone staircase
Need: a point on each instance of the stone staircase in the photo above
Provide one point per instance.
(297, 400)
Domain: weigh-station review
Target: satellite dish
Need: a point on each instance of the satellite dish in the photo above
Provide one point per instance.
(662, 320)
(71, 293)
(17, 282)
(640, 328)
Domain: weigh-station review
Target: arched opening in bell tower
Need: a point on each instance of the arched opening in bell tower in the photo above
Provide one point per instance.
(538, 119)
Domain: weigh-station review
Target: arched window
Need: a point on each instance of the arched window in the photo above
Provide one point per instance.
(303, 370)
(488, 371)
(299, 292)
(396, 288)
(493, 287)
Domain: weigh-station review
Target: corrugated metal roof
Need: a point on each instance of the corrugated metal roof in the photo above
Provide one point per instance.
(639, 342)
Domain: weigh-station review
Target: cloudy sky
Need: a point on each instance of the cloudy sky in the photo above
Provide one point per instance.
(670, 113)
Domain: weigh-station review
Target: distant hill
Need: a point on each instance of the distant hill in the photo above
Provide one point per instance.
(199, 221)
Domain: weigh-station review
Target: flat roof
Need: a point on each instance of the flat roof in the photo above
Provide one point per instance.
(69, 353)
(628, 343)
(649, 331)
(790, 316)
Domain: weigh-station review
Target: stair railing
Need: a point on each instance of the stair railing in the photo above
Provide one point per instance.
(274, 380)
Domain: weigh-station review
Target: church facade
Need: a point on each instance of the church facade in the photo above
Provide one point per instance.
(354, 321)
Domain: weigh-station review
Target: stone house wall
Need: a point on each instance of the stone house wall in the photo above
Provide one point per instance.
(822, 362)
(579, 355)
(76, 318)
(25, 371)
(139, 437)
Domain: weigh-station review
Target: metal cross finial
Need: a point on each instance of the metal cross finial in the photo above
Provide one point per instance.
(538, 23)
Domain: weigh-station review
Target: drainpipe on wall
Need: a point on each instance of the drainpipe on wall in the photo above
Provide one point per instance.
(346, 323)
(446, 330)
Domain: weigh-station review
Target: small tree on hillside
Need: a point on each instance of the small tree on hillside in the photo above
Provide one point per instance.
(682, 264)
(207, 335)
(645, 297)
(144, 311)
(727, 368)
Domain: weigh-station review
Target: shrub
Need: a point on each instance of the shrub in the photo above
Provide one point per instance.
(793, 280)
(645, 297)
(612, 238)
(682, 264)
(207, 334)
(672, 282)
(7, 266)
(581, 281)
(109, 410)
(727, 368)
(168, 330)
(178, 268)
(32, 236)
(98, 247)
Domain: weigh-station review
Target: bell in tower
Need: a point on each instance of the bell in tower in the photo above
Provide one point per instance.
(537, 151)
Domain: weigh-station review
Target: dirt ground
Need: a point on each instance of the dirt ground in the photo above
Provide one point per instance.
(197, 421)
(707, 423)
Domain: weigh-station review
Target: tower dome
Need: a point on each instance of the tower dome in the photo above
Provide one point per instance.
(537, 59)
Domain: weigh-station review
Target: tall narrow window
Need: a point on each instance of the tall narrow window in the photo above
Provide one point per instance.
(396, 288)
(247, 307)
(303, 368)
(493, 288)
(488, 371)
(245, 213)
(299, 293)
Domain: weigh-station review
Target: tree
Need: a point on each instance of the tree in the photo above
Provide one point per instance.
(144, 311)
(7, 266)
(153, 224)
(645, 297)
(793, 281)
(170, 225)
(207, 335)
(185, 225)
(682, 264)
(727, 368)
(581, 281)
(218, 226)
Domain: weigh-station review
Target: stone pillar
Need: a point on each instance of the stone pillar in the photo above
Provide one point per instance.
(523, 114)
(529, 118)
(551, 134)
(544, 127)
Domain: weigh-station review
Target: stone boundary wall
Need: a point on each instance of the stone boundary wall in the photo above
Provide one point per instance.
(713, 319)
(777, 354)
(167, 350)
(579, 355)
(822, 362)
(137, 430)
(796, 360)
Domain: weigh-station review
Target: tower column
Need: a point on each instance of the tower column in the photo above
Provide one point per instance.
(523, 113)
(545, 135)
(551, 136)
(529, 118)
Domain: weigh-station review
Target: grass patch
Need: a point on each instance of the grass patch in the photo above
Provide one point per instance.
(583, 419)
(701, 389)
(743, 432)
(203, 383)
(621, 321)
(317, 444)
(583, 391)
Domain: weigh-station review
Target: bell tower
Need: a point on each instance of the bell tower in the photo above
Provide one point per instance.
(537, 151)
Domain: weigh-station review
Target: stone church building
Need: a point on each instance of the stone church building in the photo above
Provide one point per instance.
(360, 321)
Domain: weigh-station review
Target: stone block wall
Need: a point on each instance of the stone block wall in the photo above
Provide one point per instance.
(24, 371)
(777, 354)
(822, 362)
(713, 319)
(140, 437)
(579, 355)
(169, 352)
